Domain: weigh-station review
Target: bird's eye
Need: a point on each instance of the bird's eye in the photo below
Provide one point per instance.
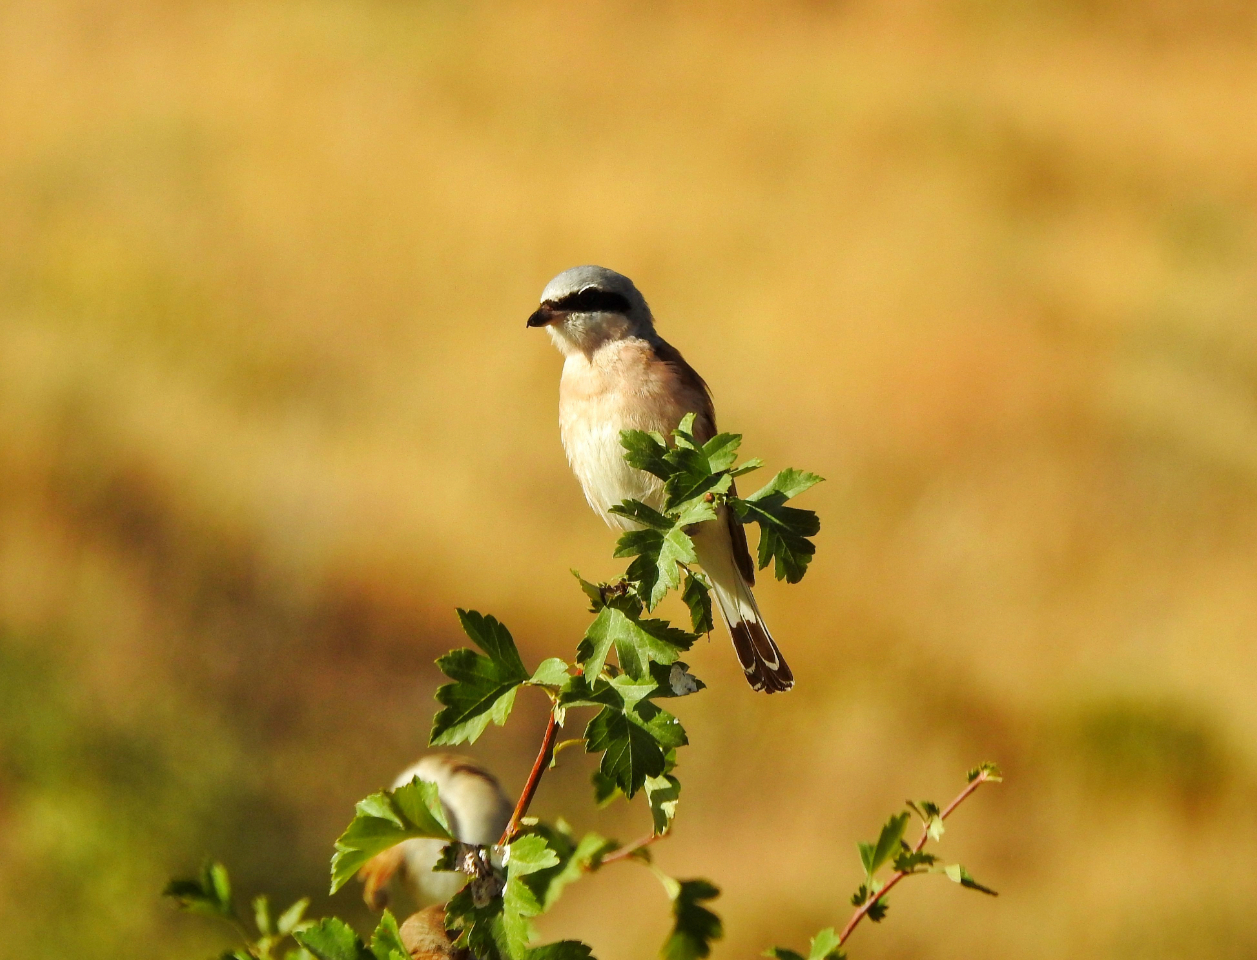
(593, 300)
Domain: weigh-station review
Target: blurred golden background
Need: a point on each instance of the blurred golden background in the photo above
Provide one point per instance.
(268, 412)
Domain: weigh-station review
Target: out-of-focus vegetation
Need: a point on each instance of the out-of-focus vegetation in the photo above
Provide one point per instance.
(268, 412)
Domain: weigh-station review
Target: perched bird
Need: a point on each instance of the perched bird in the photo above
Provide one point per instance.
(619, 374)
(476, 810)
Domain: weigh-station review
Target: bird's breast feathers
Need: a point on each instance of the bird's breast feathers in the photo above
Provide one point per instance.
(624, 385)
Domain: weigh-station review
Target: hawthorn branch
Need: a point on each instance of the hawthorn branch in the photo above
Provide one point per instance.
(983, 777)
(624, 853)
(534, 779)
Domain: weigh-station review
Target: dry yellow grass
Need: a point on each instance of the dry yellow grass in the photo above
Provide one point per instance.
(268, 411)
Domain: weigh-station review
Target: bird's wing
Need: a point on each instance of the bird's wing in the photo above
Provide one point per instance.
(699, 396)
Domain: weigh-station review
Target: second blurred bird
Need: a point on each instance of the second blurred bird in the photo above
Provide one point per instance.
(477, 811)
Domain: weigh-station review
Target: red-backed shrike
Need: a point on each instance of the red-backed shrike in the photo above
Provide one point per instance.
(619, 374)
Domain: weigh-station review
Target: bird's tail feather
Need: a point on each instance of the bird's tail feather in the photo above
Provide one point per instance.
(766, 669)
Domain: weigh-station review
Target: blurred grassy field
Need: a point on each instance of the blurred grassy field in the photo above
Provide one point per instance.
(268, 412)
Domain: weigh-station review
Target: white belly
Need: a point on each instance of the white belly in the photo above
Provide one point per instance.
(597, 458)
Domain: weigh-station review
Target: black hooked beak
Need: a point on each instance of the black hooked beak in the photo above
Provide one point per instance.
(545, 315)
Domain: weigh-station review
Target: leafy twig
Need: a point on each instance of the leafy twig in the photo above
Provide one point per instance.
(985, 774)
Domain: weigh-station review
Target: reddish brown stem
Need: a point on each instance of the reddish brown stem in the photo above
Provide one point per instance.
(534, 779)
(625, 852)
(898, 875)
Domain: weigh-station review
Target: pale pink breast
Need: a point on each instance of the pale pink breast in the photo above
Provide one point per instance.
(621, 387)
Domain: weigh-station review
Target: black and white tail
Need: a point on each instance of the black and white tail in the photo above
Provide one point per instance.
(723, 553)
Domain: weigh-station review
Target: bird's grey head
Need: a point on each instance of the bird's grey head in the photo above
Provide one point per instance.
(585, 307)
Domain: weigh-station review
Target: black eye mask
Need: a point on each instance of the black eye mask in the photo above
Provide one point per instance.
(593, 300)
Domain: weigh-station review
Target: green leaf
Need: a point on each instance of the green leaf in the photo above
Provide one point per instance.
(874, 855)
(663, 793)
(721, 451)
(289, 919)
(637, 643)
(605, 789)
(697, 596)
(385, 819)
(784, 531)
(210, 894)
(877, 912)
(788, 484)
(262, 915)
(483, 687)
(909, 860)
(634, 740)
(552, 672)
(646, 451)
(927, 810)
(658, 553)
(562, 950)
(694, 926)
(520, 900)
(575, 859)
(479, 929)
(386, 941)
(958, 874)
(639, 512)
(825, 946)
(991, 770)
(333, 939)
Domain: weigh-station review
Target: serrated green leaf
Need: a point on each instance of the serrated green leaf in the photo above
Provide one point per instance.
(697, 596)
(484, 686)
(477, 929)
(784, 531)
(552, 672)
(591, 590)
(825, 946)
(637, 643)
(385, 819)
(695, 927)
(992, 771)
(721, 451)
(663, 794)
(333, 939)
(387, 939)
(639, 512)
(634, 741)
(874, 855)
(909, 860)
(755, 463)
(657, 553)
(575, 859)
(789, 483)
(521, 901)
(877, 912)
(646, 451)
